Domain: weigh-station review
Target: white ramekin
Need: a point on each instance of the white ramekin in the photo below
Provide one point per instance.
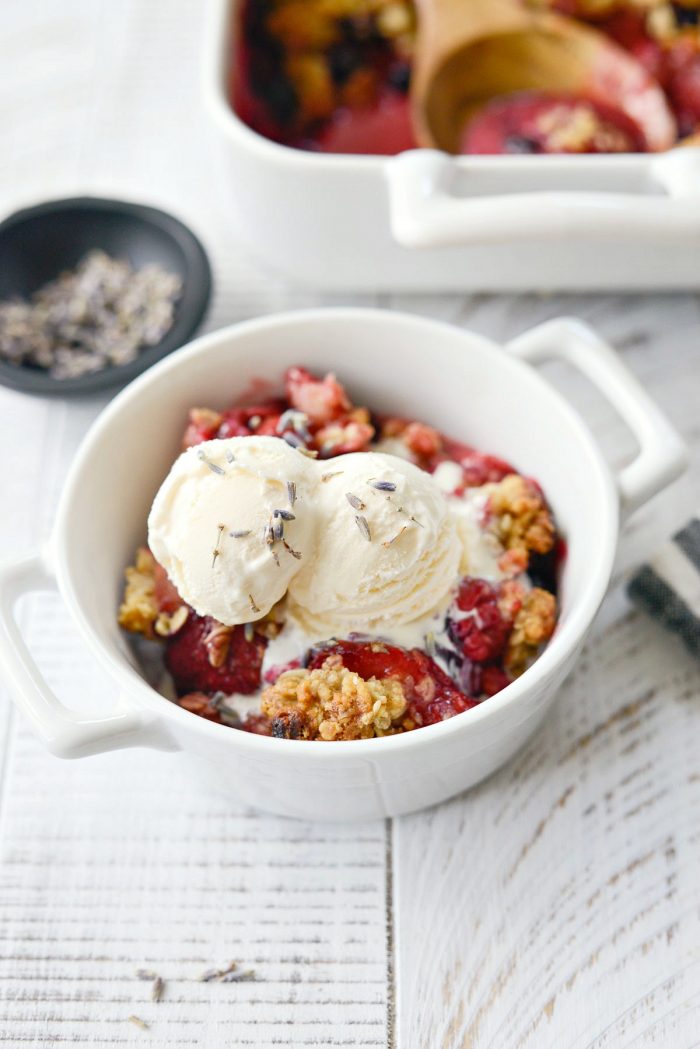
(424, 220)
(460, 381)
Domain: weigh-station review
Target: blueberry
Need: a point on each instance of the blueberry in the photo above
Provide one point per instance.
(686, 16)
(343, 60)
(281, 99)
(521, 144)
(400, 76)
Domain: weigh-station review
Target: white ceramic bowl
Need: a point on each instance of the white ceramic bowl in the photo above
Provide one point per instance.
(425, 220)
(463, 383)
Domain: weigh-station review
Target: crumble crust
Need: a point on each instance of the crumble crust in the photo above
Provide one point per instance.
(332, 703)
(521, 520)
(533, 625)
(138, 611)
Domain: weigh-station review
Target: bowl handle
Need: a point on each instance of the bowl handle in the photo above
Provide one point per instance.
(65, 732)
(427, 212)
(662, 455)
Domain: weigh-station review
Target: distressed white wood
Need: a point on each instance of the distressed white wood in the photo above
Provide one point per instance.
(554, 907)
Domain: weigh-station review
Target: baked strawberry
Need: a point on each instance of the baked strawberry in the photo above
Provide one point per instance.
(166, 596)
(682, 83)
(493, 680)
(200, 704)
(272, 673)
(430, 693)
(422, 440)
(258, 724)
(202, 425)
(257, 418)
(477, 468)
(343, 436)
(205, 656)
(321, 400)
(481, 630)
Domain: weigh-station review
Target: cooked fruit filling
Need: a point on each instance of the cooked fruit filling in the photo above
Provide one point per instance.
(334, 76)
(316, 571)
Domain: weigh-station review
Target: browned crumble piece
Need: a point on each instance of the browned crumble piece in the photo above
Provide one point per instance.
(138, 612)
(521, 519)
(332, 703)
(534, 624)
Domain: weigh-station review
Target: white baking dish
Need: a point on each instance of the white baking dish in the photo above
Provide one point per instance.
(465, 384)
(426, 221)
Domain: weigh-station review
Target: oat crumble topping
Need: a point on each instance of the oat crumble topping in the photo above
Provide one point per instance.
(332, 703)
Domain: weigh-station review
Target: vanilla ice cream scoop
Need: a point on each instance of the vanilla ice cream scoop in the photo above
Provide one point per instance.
(232, 524)
(386, 551)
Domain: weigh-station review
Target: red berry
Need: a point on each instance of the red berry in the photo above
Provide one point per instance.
(272, 673)
(265, 416)
(202, 425)
(493, 679)
(200, 704)
(431, 694)
(258, 724)
(166, 596)
(683, 86)
(482, 633)
(187, 658)
(322, 400)
(423, 441)
(477, 468)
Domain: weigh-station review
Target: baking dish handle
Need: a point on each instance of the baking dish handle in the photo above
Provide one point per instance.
(662, 455)
(65, 732)
(425, 212)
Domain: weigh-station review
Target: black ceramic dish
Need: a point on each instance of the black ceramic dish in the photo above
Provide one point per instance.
(36, 244)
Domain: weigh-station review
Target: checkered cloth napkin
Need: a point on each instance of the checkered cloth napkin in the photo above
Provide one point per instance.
(668, 587)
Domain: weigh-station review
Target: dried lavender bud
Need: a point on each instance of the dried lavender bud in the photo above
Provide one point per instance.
(212, 466)
(355, 503)
(286, 515)
(278, 529)
(363, 526)
(291, 492)
(269, 534)
(157, 989)
(293, 439)
(296, 421)
(383, 486)
(101, 313)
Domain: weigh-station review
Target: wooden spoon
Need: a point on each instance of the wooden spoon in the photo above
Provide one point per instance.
(471, 51)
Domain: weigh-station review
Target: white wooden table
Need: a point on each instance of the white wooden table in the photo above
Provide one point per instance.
(557, 906)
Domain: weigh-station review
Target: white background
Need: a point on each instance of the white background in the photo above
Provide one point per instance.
(557, 906)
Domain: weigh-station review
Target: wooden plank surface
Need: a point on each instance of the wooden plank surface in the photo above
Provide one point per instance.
(554, 907)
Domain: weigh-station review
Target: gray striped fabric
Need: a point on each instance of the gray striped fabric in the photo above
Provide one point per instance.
(668, 588)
